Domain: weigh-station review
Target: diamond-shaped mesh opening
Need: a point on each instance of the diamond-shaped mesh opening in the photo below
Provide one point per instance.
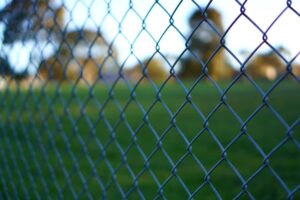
(272, 127)
(190, 172)
(266, 66)
(245, 166)
(279, 104)
(282, 26)
(206, 149)
(141, 40)
(146, 96)
(189, 128)
(173, 184)
(207, 191)
(258, 188)
(159, 115)
(131, 17)
(175, 144)
(145, 135)
(160, 165)
(233, 31)
(178, 98)
(287, 173)
(165, 43)
(236, 100)
(147, 184)
(224, 118)
(205, 96)
(252, 8)
(149, 99)
(156, 31)
(224, 172)
(294, 129)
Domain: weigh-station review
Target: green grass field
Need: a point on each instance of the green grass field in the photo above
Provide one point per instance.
(93, 143)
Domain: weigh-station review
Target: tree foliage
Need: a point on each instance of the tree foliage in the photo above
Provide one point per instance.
(24, 19)
(207, 54)
(265, 66)
(149, 68)
(5, 68)
(82, 54)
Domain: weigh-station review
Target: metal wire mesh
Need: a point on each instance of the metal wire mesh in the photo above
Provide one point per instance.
(85, 115)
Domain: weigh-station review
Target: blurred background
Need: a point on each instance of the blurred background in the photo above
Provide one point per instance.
(171, 36)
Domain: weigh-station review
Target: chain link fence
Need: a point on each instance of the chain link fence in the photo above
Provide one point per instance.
(149, 99)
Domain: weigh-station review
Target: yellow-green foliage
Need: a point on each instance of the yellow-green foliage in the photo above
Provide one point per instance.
(265, 66)
(206, 47)
(155, 70)
(67, 65)
(152, 69)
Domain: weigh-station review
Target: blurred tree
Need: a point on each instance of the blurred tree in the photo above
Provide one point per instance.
(153, 69)
(133, 74)
(81, 54)
(191, 69)
(13, 15)
(25, 19)
(266, 66)
(206, 32)
(296, 70)
(5, 68)
(28, 20)
(7, 71)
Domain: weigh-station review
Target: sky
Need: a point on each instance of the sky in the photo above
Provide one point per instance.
(242, 38)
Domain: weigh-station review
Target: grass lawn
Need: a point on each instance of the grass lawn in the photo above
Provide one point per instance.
(75, 142)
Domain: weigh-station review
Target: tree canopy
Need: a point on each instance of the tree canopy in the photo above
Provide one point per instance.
(24, 18)
(206, 30)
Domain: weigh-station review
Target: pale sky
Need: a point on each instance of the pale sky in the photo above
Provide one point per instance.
(243, 36)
